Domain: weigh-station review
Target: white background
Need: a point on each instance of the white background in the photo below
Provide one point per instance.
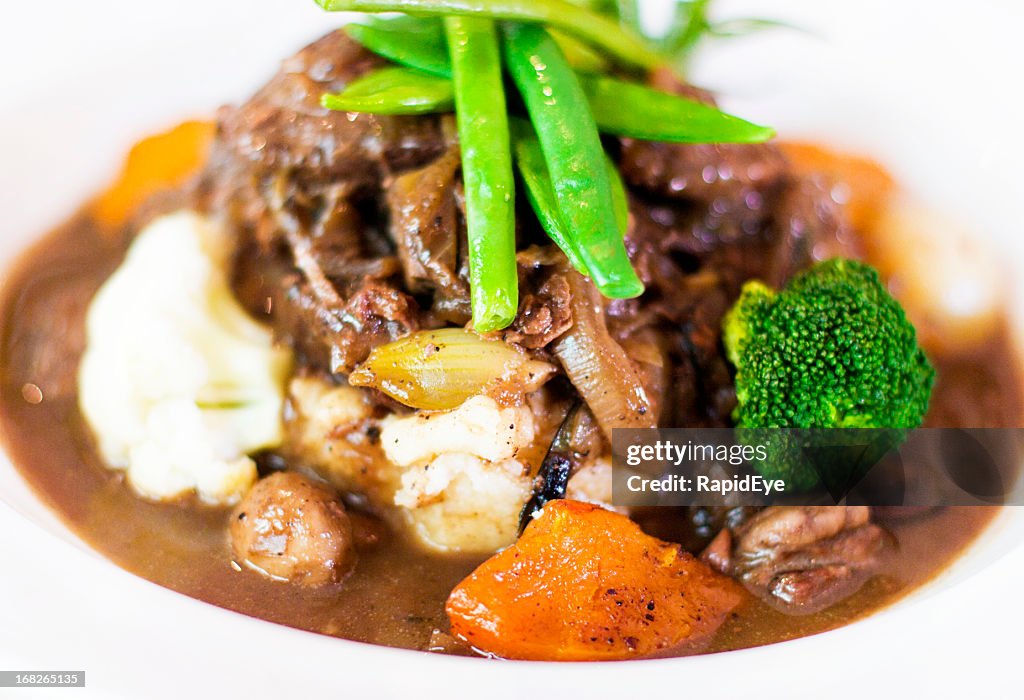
(932, 88)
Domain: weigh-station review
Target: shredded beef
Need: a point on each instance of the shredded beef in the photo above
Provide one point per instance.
(545, 310)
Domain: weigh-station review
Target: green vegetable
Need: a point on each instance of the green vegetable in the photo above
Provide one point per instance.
(393, 90)
(575, 159)
(628, 12)
(652, 115)
(620, 202)
(745, 26)
(579, 55)
(689, 24)
(631, 109)
(596, 29)
(416, 42)
(831, 350)
(486, 170)
(541, 193)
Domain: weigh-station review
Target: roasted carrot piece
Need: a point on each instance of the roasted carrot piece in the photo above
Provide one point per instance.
(584, 583)
(161, 161)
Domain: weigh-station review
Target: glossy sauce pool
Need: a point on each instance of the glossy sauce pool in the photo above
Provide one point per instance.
(396, 595)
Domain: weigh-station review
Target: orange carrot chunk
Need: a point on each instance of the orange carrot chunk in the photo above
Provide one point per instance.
(584, 583)
(161, 161)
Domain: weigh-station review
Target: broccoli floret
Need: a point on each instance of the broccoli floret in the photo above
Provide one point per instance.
(831, 350)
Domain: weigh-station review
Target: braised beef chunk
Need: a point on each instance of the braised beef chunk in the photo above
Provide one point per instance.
(545, 298)
(348, 330)
(283, 128)
(730, 175)
(802, 559)
(427, 227)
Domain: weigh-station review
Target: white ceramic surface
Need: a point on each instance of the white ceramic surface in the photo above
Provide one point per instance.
(931, 88)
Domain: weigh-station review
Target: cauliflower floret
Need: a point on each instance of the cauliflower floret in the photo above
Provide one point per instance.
(177, 382)
(462, 484)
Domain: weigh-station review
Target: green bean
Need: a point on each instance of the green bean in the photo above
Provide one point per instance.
(620, 201)
(601, 31)
(416, 42)
(652, 115)
(411, 41)
(486, 170)
(579, 54)
(541, 194)
(604, 7)
(572, 151)
(630, 109)
(393, 90)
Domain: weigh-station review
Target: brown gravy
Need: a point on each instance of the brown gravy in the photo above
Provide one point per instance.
(396, 595)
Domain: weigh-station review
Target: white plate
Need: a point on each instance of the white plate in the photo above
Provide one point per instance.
(931, 88)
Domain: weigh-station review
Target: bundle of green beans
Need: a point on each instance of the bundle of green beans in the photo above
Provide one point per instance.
(563, 59)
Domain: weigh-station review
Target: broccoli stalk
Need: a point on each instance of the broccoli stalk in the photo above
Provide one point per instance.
(831, 350)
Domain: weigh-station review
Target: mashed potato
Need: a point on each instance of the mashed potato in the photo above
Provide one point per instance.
(178, 383)
(462, 481)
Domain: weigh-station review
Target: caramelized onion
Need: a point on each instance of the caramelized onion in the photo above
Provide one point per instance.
(598, 367)
(438, 370)
(646, 348)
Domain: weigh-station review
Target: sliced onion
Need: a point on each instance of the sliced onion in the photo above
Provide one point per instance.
(440, 369)
(646, 348)
(598, 367)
